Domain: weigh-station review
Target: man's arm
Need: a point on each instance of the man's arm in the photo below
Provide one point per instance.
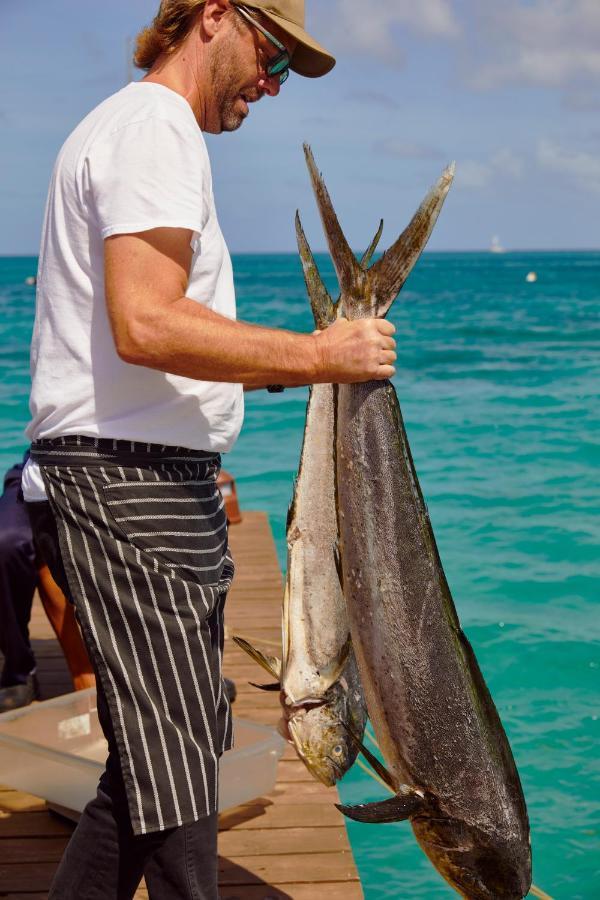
(155, 325)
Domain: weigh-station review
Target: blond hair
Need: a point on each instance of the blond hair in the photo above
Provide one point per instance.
(172, 24)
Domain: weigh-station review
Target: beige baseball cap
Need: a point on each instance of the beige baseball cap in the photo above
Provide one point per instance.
(309, 59)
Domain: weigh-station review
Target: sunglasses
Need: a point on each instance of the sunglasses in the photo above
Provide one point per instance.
(277, 65)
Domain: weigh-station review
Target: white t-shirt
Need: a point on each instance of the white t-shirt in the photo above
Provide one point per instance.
(136, 162)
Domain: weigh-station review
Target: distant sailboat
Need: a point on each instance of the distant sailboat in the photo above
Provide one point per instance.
(496, 246)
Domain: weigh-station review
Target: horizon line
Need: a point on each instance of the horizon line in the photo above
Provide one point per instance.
(504, 252)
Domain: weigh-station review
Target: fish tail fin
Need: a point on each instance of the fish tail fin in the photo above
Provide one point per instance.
(270, 664)
(389, 274)
(368, 256)
(349, 270)
(372, 291)
(322, 305)
(406, 803)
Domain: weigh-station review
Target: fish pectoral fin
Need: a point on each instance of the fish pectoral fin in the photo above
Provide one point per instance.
(375, 764)
(333, 672)
(405, 804)
(389, 274)
(266, 687)
(270, 664)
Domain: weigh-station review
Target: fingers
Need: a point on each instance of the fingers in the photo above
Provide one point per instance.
(386, 344)
(385, 373)
(388, 355)
(357, 351)
(384, 326)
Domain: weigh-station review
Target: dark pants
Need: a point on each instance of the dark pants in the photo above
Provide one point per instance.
(18, 578)
(104, 860)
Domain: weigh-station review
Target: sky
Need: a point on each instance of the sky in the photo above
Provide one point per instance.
(510, 90)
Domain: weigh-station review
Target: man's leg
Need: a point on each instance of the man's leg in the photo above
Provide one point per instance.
(104, 860)
(55, 595)
(61, 615)
(184, 867)
(17, 584)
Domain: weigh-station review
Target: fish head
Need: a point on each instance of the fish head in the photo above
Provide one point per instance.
(320, 734)
(480, 865)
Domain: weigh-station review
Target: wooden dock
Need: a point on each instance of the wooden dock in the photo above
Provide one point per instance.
(290, 844)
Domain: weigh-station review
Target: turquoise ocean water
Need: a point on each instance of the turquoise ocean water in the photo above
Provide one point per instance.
(498, 381)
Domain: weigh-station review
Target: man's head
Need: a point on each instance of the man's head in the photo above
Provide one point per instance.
(235, 51)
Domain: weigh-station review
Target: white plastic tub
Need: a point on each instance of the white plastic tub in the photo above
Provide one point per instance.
(56, 750)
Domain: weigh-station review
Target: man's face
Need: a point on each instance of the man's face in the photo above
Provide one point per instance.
(238, 69)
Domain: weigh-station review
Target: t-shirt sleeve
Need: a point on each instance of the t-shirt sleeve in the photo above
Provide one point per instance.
(149, 174)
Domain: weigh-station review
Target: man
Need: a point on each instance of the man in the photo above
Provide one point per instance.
(138, 367)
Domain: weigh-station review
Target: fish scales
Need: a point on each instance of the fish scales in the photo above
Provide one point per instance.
(410, 643)
(315, 620)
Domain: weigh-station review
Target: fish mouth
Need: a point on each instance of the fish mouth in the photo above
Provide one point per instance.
(336, 768)
(319, 772)
(324, 769)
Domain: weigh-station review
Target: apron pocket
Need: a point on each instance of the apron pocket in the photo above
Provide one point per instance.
(181, 525)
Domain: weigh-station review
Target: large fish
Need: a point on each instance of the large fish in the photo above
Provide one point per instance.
(320, 690)
(449, 761)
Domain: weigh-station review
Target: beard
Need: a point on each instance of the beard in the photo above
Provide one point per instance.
(232, 108)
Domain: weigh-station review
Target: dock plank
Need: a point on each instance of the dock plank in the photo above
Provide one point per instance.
(291, 845)
(287, 841)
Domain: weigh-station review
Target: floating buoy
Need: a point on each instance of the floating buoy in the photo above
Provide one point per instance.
(531, 277)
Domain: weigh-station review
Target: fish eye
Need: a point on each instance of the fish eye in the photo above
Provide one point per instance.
(338, 750)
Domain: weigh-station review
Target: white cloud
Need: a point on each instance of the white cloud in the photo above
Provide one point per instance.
(505, 162)
(400, 149)
(368, 28)
(476, 175)
(541, 42)
(583, 169)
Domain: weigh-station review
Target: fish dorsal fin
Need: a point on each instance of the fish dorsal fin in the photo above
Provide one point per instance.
(368, 256)
(320, 301)
(349, 271)
(270, 664)
(389, 274)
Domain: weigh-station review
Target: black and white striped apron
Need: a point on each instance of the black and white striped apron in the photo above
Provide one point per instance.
(143, 537)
